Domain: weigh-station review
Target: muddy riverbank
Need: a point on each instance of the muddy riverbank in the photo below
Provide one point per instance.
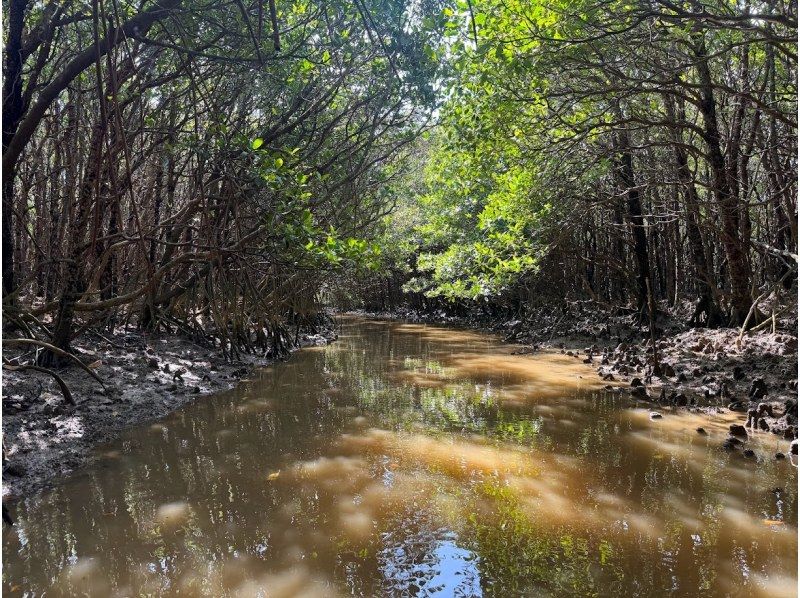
(144, 377)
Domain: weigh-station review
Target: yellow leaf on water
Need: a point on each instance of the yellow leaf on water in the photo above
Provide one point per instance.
(772, 522)
(273, 476)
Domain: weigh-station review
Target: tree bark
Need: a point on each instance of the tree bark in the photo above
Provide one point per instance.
(726, 199)
(18, 128)
(707, 291)
(633, 203)
(12, 113)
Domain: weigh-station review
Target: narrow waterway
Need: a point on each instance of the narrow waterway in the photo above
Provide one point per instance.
(409, 460)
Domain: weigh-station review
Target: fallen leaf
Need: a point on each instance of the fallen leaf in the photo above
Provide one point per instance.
(273, 476)
(95, 364)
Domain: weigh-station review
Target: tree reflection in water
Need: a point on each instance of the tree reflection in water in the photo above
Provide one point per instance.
(414, 460)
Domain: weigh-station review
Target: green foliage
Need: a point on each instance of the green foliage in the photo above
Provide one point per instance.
(476, 219)
(305, 242)
(535, 97)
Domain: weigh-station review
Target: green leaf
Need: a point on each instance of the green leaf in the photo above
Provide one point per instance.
(257, 143)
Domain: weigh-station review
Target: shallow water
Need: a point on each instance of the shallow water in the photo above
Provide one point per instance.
(415, 460)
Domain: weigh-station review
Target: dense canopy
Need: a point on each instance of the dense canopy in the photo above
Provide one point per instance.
(223, 168)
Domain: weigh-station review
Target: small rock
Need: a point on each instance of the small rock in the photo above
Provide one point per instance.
(636, 382)
(729, 444)
(758, 389)
(738, 430)
(790, 407)
(793, 447)
(749, 453)
(738, 373)
(764, 408)
(14, 469)
(667, 370)
(702, 431)
(640, 392)
(655, 415)
(780, 456)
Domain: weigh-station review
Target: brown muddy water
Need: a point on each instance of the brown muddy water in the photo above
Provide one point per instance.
(409, 460)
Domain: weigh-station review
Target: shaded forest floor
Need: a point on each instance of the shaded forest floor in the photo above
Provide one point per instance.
(145, 378)
(700, 369)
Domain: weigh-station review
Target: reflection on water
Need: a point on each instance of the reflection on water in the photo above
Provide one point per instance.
(414, 460)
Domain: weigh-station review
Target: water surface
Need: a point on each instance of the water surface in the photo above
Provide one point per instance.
(410, 460)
